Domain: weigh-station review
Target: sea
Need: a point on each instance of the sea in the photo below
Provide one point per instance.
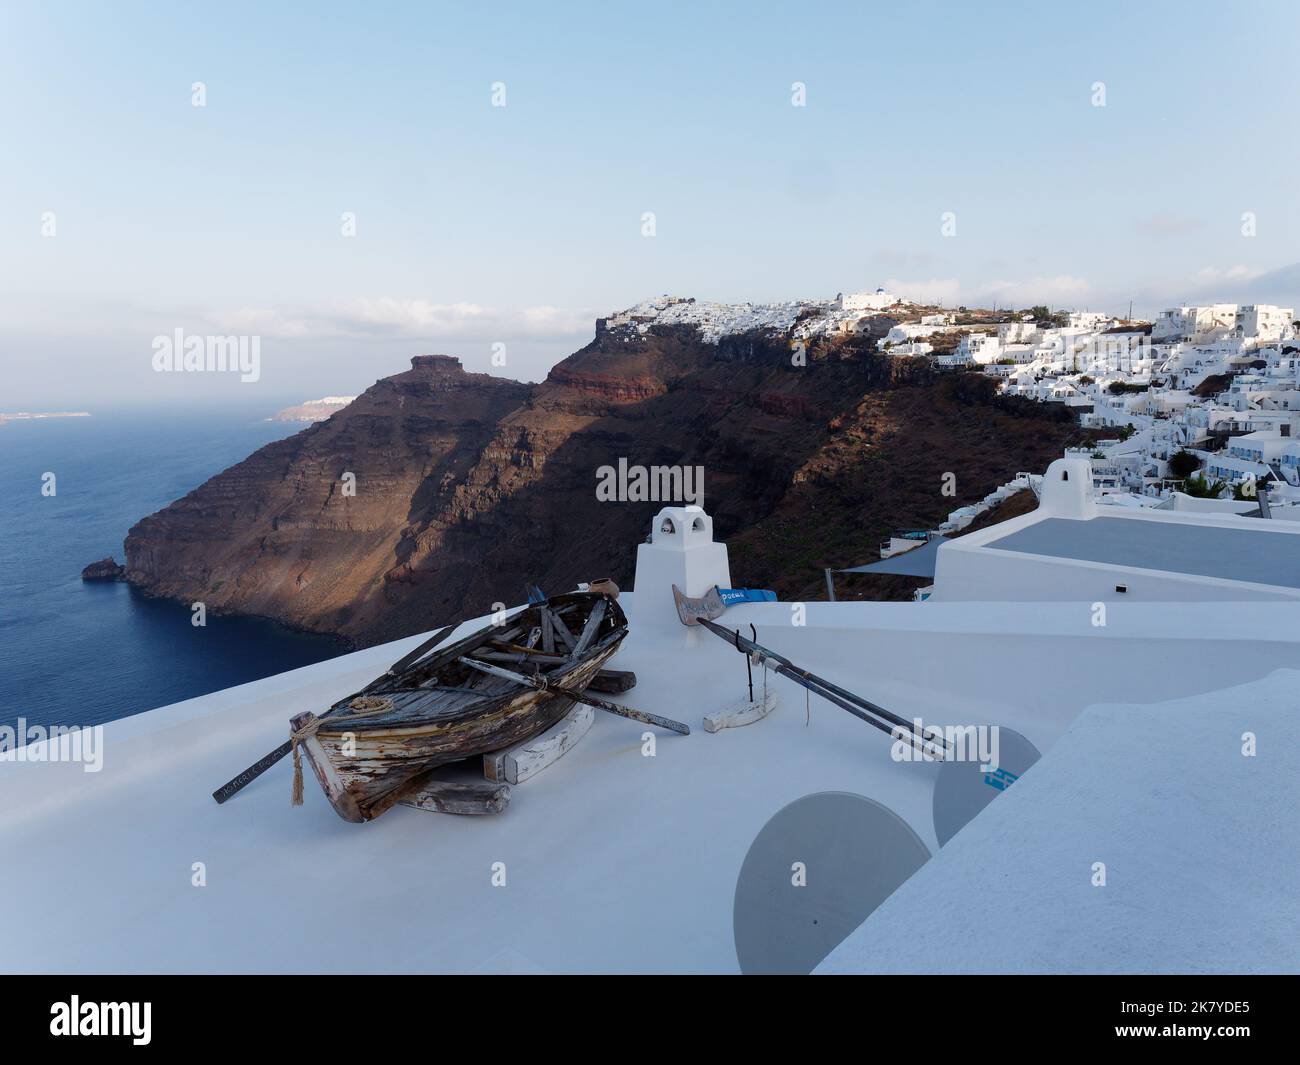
(79, 653)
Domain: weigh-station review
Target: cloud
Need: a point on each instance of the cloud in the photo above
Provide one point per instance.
(1167, 225)
(1054, 291)
(1248, 284)
(935, 290)
(902, 259)
(398, 317)
(1213, 275)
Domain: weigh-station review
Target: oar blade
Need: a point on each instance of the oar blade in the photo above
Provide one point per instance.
(237, 784)
(691, 610)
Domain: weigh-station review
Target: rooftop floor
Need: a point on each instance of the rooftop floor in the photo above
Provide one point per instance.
(1200, 844)
(615, 861)
(1234, 554)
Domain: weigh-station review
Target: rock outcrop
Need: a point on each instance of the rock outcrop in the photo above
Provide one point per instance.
(437, 493)
(106, 569)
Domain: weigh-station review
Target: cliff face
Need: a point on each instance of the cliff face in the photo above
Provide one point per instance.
(466, 486)
(282, 535)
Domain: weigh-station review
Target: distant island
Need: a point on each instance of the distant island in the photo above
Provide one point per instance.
(27, 416)
(313, 410)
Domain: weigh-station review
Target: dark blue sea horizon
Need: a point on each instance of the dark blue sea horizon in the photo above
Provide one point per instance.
(79, 653)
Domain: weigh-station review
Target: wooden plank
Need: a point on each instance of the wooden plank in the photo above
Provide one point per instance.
(453, 651)
(612, 681)
(448, 797)
(516, 764)
(594, 619)
(512, 652)
(424, 648)
(562, 632)
(548, 632)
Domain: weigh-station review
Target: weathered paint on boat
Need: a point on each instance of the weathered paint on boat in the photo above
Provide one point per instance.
(366, 762)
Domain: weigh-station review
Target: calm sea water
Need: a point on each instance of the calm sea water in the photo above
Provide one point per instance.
(78, 653)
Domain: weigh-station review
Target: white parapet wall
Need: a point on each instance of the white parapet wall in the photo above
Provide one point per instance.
(1072, 550)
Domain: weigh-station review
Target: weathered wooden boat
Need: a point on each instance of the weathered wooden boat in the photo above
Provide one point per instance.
(496, 687)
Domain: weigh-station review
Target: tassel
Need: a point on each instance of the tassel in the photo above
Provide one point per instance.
(297, 776)
(307, 731)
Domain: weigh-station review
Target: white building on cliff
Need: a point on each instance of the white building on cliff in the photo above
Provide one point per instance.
(867, 301)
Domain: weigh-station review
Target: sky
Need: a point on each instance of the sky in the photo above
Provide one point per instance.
(1081, 157)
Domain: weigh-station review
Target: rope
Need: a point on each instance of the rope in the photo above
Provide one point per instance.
(297, 738)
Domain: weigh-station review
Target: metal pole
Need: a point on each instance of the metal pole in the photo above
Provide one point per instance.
(830, 584)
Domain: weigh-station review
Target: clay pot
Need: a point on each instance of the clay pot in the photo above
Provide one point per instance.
(604, 586)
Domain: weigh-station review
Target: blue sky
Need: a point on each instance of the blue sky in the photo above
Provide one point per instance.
(519, 224)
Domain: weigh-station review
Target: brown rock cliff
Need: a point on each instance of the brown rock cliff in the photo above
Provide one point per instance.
(467, 485)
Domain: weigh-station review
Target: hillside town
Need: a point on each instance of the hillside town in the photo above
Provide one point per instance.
(1204, 402)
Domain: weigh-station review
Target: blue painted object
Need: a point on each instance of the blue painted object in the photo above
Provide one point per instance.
(732, 596)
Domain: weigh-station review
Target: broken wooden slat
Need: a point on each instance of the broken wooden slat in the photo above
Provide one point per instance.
(448, 797)
(516, 764)
(611, 681)
(562, 632)
(424, 648)
(505, 647)
(448, 654)
(519, 657)
(548, 632)
(594, 619)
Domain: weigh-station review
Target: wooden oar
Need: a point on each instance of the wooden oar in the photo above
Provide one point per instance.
(703, 610)
(860, 708)
(579, 697)
(252, 772)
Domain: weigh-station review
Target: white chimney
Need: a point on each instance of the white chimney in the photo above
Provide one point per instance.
(681, 551)
(1067, 489)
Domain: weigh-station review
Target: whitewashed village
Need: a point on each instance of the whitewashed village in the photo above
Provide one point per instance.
(1204, 401)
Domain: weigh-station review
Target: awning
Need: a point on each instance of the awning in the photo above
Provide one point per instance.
(918, 562)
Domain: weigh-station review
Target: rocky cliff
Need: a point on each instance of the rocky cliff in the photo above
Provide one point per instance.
(438, 493)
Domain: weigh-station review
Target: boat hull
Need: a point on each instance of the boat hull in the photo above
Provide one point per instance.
(364, 770)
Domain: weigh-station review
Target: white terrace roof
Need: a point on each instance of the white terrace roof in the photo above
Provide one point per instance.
(1228, 553)
(1199, 843)
(618, 862)
(1072, 548)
